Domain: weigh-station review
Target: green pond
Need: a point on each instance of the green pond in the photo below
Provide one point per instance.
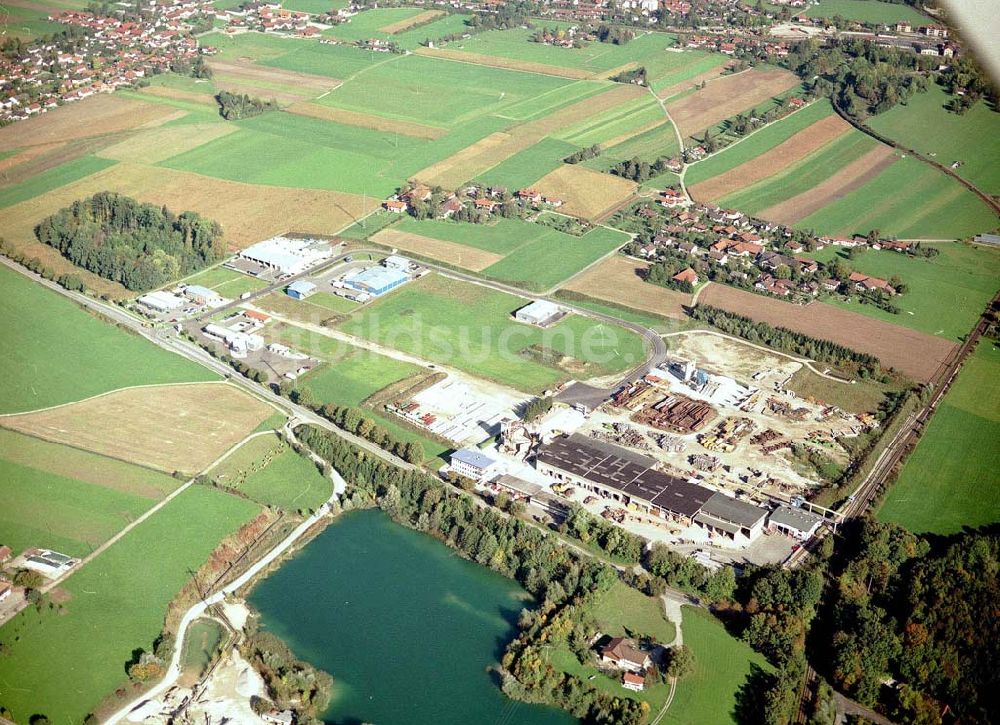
(407, 628)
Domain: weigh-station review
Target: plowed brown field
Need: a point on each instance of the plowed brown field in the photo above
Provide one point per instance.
(726, 97)
(913, 353)
(771, 162)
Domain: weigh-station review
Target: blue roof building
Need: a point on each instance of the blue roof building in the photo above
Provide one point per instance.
(300, 290)
(377, 280)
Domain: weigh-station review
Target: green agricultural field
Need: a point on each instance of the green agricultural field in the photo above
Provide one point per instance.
(438, 92)
(723, 665)
(500, 237)
(316, 7)
(368, 23)
(57, 353)
(618, 121)
(946, 294)
(350, 375)
(52, 179)
(807, 173)
(536, 257)
(27, 24)
(910, 200)
(868, 11)
(924, 125)
(283, 149)
(266, 470)
(63, 661)
(411, 39)
(353, 374)
(554, 99)
(653, 322)
(369, 225)
(757, 143)
(252, 46)
(332, 302)
(213, 277)
(648, 146)
(951, 480)
(697, 62)
(57, 510)
(554, 257)
(526, 167)
(472, 328)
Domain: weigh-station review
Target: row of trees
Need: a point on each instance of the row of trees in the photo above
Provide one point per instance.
(591, 152)
(72, 282)
(236, 106)
(785, 340)
(614, 34)
(142, 246)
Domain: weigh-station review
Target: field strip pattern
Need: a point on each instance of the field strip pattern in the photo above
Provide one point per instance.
(771, 162)
(494, 61)
(486, 153)
(586, 193)
(836, 187)
(460, 255)
(726, 97)
(406, 23)
(194, 424)
(366, 120)
(915, 354)
(159, 144)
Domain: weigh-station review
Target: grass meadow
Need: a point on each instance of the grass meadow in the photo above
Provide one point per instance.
(54, 352)
(266, 470)
(951, 480)
(946, 294)
(924, 125)
(722, 666)
(61, 662)
(868, 11)
(472, 328)
(526, 167)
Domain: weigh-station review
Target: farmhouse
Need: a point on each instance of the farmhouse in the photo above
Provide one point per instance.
(5, 554)
(300, 289)
(287, 256)
(376, 281)
(395, 206)
(864, 283)
(623, 654)
(50, 563)
(473, 464)
(794, 522)
(5, 590)
(539, 312)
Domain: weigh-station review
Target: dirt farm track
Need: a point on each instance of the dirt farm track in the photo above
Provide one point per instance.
(915, 354)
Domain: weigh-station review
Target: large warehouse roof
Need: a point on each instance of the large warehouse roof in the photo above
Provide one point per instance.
(631, 473)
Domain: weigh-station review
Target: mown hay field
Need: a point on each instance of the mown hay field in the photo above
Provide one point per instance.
(168, 427)
(100, 114)
(586, 193)
(619, 281)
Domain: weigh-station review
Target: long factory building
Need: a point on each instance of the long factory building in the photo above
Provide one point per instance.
(632, 479)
